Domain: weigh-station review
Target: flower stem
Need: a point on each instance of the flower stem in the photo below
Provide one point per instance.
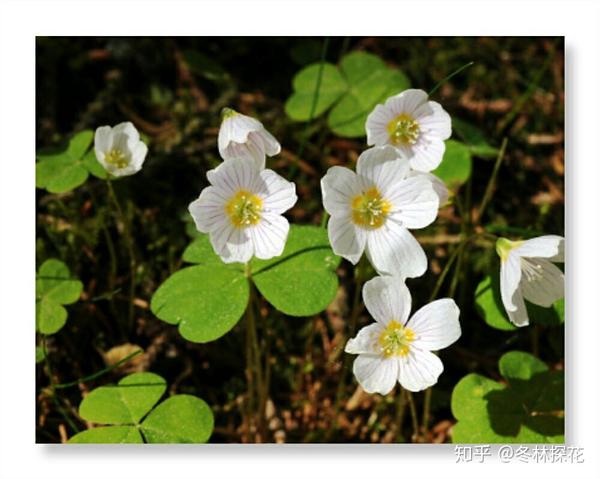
(313, 106)
(413, 415)
(400, 413)
(446, 79)
(489, 190)
(130, 249)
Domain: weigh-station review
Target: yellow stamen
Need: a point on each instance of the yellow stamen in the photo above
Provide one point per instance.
(370, 209)
(244, 209)
(116, 158)
(403, 130)
(395, 340)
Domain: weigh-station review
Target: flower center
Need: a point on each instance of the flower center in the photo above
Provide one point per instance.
(395, 340)
(370, 209)
(403, 130)
(116, 158)
(531, 270)
(244, 209)
(504, 247)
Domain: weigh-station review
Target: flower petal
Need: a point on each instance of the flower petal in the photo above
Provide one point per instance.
(383, 167)
(419, 370)
(518, 316)
(270, 144)
(236, 128)
(387, 298)
(269, 236)
(427, 153)
(126, 128)
(138, 155)
(549, 246)
(436, 325)
(338, 187)
(245, 151)
(232, 244)
(376, 374)
(433, 120)
(208, 210)
(346, 240)
(376, 125)
(393, 250)
(102, 141)
(406, 102)
(277, 193)
(510, 277)
(546, 287)
(414, 202)
(438, 185)
(234, 175)
(365, 341)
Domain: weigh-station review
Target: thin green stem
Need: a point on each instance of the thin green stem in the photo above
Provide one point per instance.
(324, 219)
(413, 415)
(489, 190)
(446, 79)
(130, 249)
(53, 388)
(98, 374)
(400, 413)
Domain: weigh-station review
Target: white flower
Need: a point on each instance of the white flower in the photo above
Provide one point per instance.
(241, 211)
(119, 149)
(243, 137)
(526, 271)
(395, 348)
(414, 125)
(371, 210)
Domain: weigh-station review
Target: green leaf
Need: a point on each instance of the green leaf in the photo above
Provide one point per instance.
(370, 82)
(91, 164)
(302, 281)
(353, 89)
(64, 170)
(299, 105)
(455, 167)
(488, 302)
(179, 419)
(108, 435)
(40, 354)
(200, 251)
(125, 403)
(54, 288)
(529, 408)
(474, 138)
(206, 301)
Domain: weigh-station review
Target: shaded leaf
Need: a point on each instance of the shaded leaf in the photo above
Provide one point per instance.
(474, 139)
(528, 409)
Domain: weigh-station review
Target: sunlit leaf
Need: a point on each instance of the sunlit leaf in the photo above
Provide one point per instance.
(206, 301)
(455, 168)
(124, 403)
(299, 105)
(179, 419)
(127, 411)
(370, 82)
(302, 281)
(64, 170)
(54, 288)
